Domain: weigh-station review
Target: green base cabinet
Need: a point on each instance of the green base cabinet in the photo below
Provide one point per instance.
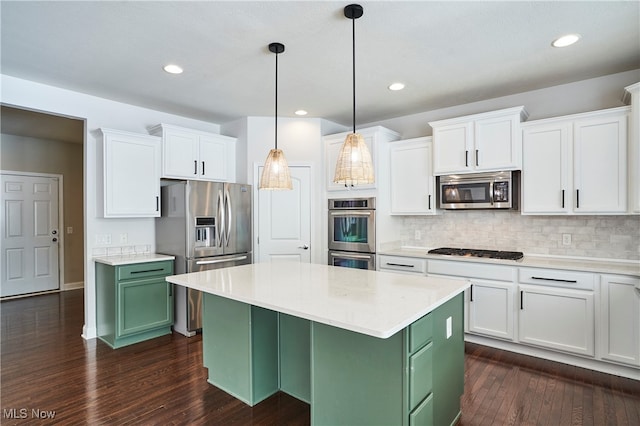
(414, 378)
(241, 344)
(133, 302)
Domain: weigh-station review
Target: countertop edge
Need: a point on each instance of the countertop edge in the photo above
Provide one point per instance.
(383, 334)
(600, 266)
(130, 259)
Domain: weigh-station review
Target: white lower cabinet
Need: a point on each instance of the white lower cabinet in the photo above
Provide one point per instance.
(557, 318)
(620, 326)
(491, 308)
(557, 310)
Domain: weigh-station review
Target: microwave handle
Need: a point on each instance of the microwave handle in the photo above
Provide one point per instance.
(491, 192)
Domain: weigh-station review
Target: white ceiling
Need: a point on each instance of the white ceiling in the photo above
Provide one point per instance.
(447, 53)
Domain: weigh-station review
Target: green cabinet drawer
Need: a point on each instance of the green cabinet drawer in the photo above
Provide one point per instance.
(423, 414)
(145, 270)
(420, 333)
(420, 375)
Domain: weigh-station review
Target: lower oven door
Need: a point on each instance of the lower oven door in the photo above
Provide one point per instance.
(353, 260)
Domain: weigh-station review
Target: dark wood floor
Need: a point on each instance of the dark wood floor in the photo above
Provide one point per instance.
(47, 367)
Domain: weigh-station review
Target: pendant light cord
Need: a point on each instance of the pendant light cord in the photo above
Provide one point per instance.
(276, 116)
(354, 72)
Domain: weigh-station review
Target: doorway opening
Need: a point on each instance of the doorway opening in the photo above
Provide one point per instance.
(41, 145)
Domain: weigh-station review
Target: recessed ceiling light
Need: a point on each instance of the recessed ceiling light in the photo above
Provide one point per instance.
(301, 112)
(173, 69)
(565, 40)
(396, 86)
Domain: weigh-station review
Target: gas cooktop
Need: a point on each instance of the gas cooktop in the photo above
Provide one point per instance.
(492, 254)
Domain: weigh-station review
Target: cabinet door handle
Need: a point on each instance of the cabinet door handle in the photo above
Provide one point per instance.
(170, 289)
(203, 168)
(195, 167)
(157, 203)
(477, 158)
(521, 300)
(577, 198)
(400, 264)
(563, 198)
(147, 271)
(429, 201)
(557, 280)
(471, 293)
(466, 158)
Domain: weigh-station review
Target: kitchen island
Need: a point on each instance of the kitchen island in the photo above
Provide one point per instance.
(362, 347)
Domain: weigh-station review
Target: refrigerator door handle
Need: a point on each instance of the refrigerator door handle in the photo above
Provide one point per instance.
(227, 202)
(211, 262)
(221, 220)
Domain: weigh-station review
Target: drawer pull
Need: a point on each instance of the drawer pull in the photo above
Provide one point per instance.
(147, 270)
(554, 280)
(401, 265)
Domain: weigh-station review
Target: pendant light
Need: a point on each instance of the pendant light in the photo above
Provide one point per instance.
(354, 165)
(275, 174)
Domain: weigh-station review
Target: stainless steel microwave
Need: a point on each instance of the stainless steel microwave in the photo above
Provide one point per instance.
(496, 190)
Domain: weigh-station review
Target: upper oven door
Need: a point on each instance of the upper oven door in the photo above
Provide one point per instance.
(352, 230)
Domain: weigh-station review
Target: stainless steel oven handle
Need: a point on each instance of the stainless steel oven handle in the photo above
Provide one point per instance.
(211, 262)
(351, 213)
(351, 256)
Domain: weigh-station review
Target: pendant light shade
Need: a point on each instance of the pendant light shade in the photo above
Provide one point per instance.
(275, 174)
(354, 166)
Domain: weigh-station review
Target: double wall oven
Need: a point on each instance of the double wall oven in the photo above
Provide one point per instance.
(352, 233)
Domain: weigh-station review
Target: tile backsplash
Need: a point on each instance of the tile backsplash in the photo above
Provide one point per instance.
(609, 237)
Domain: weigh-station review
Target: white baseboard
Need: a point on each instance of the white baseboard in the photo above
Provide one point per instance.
(72, 286)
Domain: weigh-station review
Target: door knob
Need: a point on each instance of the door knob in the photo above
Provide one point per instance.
(54, 240)
(304, 247)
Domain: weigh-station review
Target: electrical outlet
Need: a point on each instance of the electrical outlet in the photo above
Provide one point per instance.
(417, 235)
(69, 229)
(124, 238)
(566, 239)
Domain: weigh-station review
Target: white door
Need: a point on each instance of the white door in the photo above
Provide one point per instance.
(29, 218)
(284, 220)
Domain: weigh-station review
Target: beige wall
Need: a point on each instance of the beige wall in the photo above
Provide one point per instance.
(24, 154)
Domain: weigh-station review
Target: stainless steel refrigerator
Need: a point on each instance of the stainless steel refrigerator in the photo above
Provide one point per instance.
(205, 225)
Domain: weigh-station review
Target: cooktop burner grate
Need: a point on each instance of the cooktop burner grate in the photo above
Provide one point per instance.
(492, 254)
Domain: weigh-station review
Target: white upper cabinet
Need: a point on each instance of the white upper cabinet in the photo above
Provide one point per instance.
(373, 138)
(633, 92)
(412, 183)
(483, 142)
(546, 168)
(576, 164)
(130, 165)
(196, 155)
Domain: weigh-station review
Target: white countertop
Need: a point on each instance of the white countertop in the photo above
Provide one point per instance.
(375, 303)
(128, 259)
(533, 261)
